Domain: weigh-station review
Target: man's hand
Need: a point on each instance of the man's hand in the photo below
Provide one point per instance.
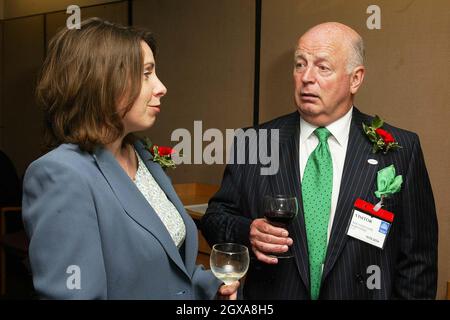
(228, 292)
(267, 239)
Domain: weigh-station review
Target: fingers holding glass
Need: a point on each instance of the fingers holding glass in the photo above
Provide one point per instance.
(280, 210)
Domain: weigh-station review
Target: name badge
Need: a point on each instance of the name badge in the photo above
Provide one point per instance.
(369, 225)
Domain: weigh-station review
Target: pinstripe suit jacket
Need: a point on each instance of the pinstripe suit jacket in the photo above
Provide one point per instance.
(408, 262)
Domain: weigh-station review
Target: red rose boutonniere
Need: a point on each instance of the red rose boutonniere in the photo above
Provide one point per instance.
(381, 139)
(161, 155)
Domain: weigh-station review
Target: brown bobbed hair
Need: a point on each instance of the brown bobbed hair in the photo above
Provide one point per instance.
(85, 75)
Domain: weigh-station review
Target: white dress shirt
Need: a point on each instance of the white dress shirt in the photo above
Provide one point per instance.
(337, 143)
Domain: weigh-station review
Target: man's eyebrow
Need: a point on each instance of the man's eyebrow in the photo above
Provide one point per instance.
(318, 57)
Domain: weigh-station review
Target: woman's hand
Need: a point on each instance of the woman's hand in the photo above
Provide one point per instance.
(228, 292)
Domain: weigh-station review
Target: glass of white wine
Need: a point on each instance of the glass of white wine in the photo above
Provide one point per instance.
(229, 261)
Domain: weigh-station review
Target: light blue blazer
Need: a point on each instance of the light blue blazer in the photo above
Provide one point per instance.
(93, 235)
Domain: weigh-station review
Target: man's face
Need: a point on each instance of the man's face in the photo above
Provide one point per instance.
(322, 83)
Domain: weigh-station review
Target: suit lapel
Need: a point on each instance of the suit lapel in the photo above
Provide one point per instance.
(135, 204)
(358, 178)
(287, 182)
(190, 244)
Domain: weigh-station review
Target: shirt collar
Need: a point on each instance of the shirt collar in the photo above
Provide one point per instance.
(339, 129)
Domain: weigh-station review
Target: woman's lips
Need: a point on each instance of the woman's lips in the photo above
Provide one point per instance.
(156, 108)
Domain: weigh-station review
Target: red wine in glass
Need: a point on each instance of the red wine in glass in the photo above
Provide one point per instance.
(280, 210)
(280, 218)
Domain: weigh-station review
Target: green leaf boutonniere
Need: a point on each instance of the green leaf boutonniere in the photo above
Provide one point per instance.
(161, 154)
(381, 139)
(388, 183)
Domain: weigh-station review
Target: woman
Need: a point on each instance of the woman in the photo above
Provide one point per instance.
(103, 219)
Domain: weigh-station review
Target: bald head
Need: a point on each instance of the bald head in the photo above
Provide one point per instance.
(348, 40)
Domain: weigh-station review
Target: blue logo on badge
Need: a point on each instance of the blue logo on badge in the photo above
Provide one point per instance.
(384, 227)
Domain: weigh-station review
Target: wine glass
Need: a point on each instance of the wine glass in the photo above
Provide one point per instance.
(229, 261)
(280, 210)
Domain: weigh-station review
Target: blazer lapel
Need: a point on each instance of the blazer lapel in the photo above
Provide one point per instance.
(135, 204)
(358, 178)
(287, 182)
(191, 243)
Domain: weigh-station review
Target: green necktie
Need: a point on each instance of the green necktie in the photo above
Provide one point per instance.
(317, 186)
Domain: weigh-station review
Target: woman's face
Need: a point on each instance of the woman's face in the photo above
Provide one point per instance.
(142, 114)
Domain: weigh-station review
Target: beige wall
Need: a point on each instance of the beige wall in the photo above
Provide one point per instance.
(1, 83)
(23, 51)
(2, 6)
(206, 57)
(114, 12)
(20, 8)
(407, 79)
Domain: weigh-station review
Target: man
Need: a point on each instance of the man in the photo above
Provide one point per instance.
(326, 161)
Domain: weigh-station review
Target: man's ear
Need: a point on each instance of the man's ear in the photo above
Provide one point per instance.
(357, 77)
